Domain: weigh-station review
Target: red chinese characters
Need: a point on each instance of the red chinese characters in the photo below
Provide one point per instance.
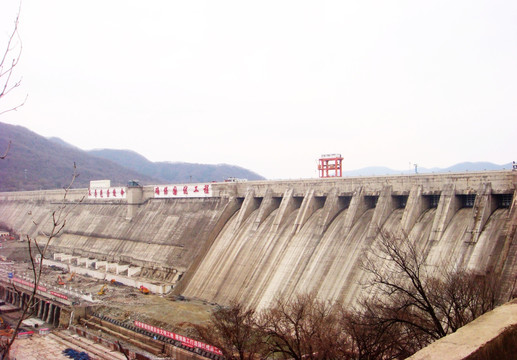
(106, 193)
(182, 191)
(184, 340)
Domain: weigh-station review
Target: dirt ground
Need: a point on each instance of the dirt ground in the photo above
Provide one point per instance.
(123, 303)
(166, 312)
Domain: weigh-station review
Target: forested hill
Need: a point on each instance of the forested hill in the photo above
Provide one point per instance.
(175, 172)
(34, 162)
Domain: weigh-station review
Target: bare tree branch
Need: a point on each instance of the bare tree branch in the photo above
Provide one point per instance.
(232, 330)
(421, 308)
(58, 221)
(8, 62)
(302, 328)
(15, 108)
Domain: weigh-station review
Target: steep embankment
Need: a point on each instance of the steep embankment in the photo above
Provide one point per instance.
(257, 265)
(164, 236)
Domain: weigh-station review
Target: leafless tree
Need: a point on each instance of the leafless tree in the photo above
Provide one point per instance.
(301, 328)
(37, 250)
(463, 296)
(232, 329)
(362, 340)
(8, 62)
(416, 306)
(407, 309)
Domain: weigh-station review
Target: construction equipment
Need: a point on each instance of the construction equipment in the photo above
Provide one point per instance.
(6, 332)
(103, 289)
(115, 282)
(5, 329)
(60, 280)
(71, 278)
(144, 290)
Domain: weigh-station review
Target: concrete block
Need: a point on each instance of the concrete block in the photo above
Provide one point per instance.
(132, 271)
(101, 264)
(121, 268)
(477, 339)
(66, 257)
(58, 256)
(81, 261)
(89, 262)
(111, 267)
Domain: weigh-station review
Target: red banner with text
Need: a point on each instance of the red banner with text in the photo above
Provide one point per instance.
(183, 191)
(183, 339)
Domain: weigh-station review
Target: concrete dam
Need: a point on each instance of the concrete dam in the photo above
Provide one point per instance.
(255, 241)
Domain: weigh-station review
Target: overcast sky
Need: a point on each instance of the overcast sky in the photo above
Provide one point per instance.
(272, 85)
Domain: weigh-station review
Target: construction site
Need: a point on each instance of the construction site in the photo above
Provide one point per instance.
(99, 315)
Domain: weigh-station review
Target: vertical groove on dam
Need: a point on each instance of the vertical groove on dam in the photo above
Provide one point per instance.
(256, 266)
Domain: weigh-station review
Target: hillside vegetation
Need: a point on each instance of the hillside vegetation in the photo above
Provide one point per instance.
(35, 162)
(177, 172)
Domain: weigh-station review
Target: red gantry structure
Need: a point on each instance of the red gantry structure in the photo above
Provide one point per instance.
(330, 166)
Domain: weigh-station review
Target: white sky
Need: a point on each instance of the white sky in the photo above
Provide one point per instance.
(272, 85)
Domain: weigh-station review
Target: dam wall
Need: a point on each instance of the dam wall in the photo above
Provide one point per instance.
(254, 241)
(160, 236)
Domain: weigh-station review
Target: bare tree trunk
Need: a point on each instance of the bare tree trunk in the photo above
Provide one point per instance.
(37, 253)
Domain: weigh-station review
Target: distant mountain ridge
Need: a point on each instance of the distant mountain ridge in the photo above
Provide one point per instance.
(35, 162)
(175, 172)
(461, 167)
